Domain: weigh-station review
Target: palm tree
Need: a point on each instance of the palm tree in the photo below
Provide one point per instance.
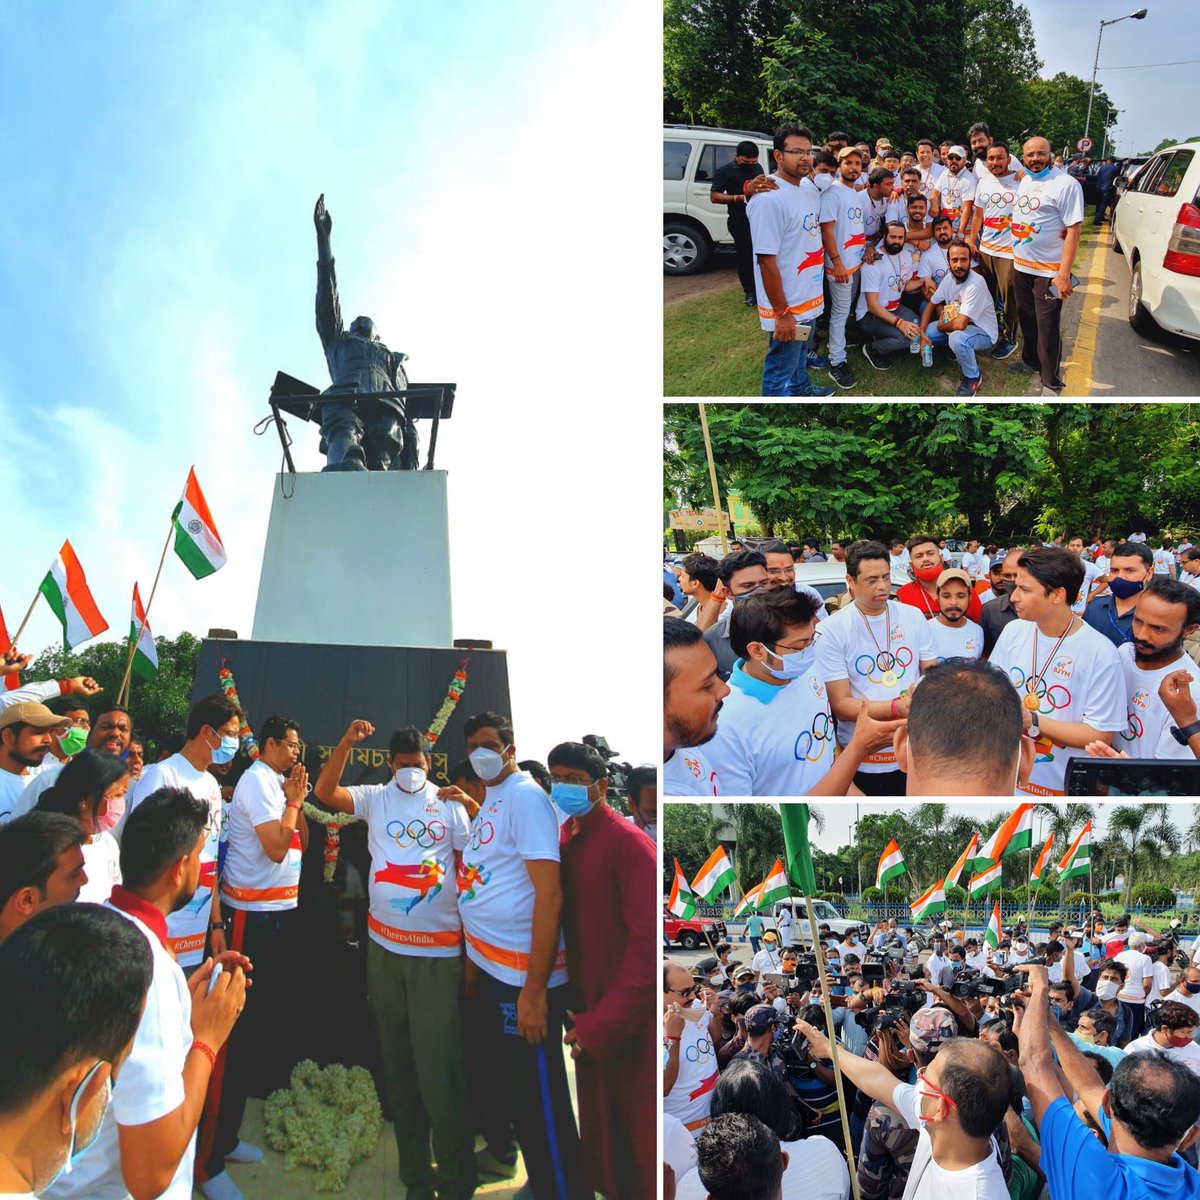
(1145, 827)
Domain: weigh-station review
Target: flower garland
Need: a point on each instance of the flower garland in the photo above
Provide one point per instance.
(458, 685)
(245, 733)
(327, 1119)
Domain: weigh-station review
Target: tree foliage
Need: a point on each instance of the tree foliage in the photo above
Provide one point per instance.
(1059, 110)
(687, 833)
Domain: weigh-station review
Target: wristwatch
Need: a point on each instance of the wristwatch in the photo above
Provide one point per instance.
(1188, 731)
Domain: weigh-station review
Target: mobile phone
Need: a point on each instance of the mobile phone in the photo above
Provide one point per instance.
(1052, 290)
(217, 970)
(803, 332)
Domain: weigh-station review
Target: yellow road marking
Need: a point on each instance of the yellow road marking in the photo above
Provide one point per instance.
(1078, 375)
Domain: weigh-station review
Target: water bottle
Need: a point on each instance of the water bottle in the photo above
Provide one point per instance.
(927, 355)
(914, 347)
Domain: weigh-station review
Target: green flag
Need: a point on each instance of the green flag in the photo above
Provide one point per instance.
(794, 818)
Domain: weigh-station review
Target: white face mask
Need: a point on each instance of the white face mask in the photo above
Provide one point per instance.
(411, 779)
(822, 182)
(75, 1150)
(487, 763)
(1107, 989)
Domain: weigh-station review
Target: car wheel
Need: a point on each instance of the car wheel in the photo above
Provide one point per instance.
(1139, 318)
(688, 940)
(685, 249)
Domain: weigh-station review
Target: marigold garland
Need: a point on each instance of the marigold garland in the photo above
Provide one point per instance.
(245, 733)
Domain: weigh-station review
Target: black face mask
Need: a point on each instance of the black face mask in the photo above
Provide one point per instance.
(1000, 588)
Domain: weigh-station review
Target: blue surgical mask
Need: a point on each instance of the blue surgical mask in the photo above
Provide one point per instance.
(74, 1152)
(571, 798)
(1039, 174)
(225, 750)
(795, 664)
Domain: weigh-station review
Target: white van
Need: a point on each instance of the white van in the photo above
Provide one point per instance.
(693, 226)
(825, 913)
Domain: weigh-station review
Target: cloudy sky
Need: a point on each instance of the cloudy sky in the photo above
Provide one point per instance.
(158, 268)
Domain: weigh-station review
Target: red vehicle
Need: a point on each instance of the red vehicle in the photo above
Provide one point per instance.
(691, 934)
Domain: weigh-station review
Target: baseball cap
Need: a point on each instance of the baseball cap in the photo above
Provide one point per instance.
(849, 150)
(998, 561)
(956, 150)
(31, 712)
(768, 936)
(742, 973)
(759, 1019)
(930, 1027)
(954, 573)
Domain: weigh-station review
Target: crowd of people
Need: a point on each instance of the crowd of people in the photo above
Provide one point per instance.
(967, 246)
(1025, 656)
(151, 963)
(1002, 1068)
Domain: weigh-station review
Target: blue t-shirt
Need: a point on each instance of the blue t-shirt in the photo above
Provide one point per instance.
(754, 927)
(1077, 1165)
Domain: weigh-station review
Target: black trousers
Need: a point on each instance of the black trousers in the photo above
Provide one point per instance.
(1040, 315)
(740, 232)
(1103, 204)
(886, 339)
(881, 783)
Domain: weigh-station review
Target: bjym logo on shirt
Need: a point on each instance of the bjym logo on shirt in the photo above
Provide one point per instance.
(1064, 666)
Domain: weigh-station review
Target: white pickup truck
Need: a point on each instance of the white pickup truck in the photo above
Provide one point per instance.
(825, 914)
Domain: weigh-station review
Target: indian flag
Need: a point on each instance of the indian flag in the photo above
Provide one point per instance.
(12, 680)
(1016, 833)
(1078, 860)
(682, 903)
(714, 877)
(987, 879)
(197, 541)
(967, 856)
(66, 591)
(991, 934)
(750, 901)
(934, 901)
(775, 886)
(1040, 866)
(891, 864)
(145, 656)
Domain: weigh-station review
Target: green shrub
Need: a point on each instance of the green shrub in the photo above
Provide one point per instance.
(832, 897)
(1155, 895)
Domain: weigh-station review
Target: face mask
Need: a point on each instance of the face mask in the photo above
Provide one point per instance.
(73, 740)
(1191, 987)
(651, 831)
(1089, 1038)
(1038, 174)
(75, 1153)
(225, 750)
(822, 182)
(487, 763)
(928, 574)
(113, 811)
(795, 664)
(746, 595)
(1124, 588)
(411, 779)
(1178, 1042)
(571, 798)
(1107, 989)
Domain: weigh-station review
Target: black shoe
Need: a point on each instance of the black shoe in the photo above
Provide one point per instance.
(1023, 368)
(876, 360)
(841, 374)
(751, 300)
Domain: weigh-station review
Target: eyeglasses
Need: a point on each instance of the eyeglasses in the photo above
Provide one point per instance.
(934, 1091)
(808, 151)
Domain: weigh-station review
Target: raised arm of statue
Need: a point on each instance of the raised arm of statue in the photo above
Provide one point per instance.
(329, 312)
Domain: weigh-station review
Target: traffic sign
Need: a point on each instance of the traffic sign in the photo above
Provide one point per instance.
(1084, 145)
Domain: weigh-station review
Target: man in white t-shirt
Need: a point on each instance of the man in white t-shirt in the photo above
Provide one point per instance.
(888, 297)
(1174, 1028)
(691, 1029)
(510, 899)
(872, 649)
(954, 636)
(1164, 559)
(958, 189)
(901, 559)
(931, 174)
(41, 866)
(991, 237)
(965, 314)
(147, 1140)
(1092, 576)
(1046, 224)
(844, 237)
(265, 835)
(956, 1154)
(692, 695)
(27, 730)
(86, 1021)
(1187, 990)
(1139, 982)
(1067, 675)
(789, 264)
(975, 561)
(414, 954)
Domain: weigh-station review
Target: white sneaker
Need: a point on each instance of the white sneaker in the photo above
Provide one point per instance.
(243, 1152)
(221, 1187)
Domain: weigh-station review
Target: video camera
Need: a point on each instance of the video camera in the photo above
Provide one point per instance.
(879, 1017)
(617, 772)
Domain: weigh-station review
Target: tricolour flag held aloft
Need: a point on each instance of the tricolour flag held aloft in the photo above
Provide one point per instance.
(891, 864)
(750, 902)
(714, 877)
(197, 541)
(1035, 876)
(1016, 833)
(682, 903)
(987, 879)
(775, 886)
(991, 934)
(145, 654)
(66, 590)
(934, 901)
(794, 818)
(13, 678)
(967, 856)
(1078, 860)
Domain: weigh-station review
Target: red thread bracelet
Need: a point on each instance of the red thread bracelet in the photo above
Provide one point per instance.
(208, 1053)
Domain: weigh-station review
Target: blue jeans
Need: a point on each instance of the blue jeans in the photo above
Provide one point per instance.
(936, 338)
(966, 343)
(785, 369)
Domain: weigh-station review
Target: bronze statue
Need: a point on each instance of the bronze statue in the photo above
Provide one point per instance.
(370, 432)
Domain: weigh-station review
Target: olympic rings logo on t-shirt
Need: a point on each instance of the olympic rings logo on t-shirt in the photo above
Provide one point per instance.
(883, 662)
(482, 834)
(809, 745)
(700, 1050)
(854, 214)
(811, 222)
(1051, 698)
(416, 833)
(1029, 203)
(1135, 729)
(1005, 198)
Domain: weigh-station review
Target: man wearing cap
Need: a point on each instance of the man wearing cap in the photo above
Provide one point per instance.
(767, 959)
(995, 582)
(954, 636)
(927, 563)
(728, 187)
(998, 613)
(760, 1033)
(958, 190)
(27, 730)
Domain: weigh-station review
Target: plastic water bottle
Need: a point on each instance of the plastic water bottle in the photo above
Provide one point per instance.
(914, 347)
(927, 355)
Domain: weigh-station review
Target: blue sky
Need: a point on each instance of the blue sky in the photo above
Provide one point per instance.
(158, 268)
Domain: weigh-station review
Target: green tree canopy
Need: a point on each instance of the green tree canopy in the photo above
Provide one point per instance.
(1059, 108)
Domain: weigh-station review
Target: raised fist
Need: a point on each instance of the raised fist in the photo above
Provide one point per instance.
(321, 219)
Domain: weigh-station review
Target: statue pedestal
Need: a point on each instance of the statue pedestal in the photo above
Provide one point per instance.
(357, 558)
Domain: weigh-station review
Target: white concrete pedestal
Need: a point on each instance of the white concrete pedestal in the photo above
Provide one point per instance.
(358, 558)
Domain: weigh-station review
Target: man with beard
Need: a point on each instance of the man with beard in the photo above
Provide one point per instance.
(954, 636)
(958, 189)
(692, 696)
(876, 201)
(844, 236)
(994, 589)
(781, 573)
(920, 232)
(991, 238)
(927, 565)
(931, 174)
(728, 187)
(888, 322)
(979, 138)
(1045, 229)
(933, 267)
(1130, 567)
(788, 261)
(1067, 676)
(966, 315)
(26, 732)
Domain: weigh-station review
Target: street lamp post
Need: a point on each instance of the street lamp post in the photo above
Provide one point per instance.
(1107, 119)
(1135, 16)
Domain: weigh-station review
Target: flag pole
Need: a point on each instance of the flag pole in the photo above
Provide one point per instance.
(123, 694)
(712, 478)
(1030, 884)
(28, 614)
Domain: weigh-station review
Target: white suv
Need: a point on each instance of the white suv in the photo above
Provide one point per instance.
(693, 226)
(1157, 225)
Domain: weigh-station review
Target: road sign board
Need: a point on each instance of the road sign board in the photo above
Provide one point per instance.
(1084, 145)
